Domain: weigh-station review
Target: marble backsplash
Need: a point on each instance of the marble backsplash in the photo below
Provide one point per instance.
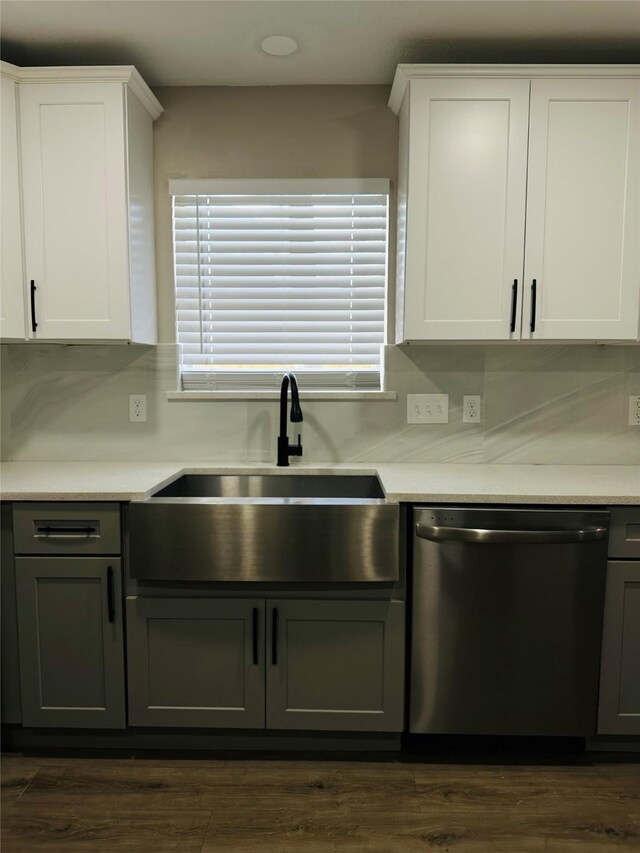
(541, 404)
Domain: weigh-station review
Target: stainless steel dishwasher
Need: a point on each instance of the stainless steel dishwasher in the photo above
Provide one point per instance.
(507, 620)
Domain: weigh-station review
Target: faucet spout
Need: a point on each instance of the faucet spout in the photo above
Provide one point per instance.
(285, 450)
(296, 411)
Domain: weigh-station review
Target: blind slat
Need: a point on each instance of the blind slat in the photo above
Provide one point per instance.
(287, 359)
(319, 285)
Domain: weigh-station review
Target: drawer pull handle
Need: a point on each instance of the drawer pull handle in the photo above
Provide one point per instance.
(78, 532)
(111, 603)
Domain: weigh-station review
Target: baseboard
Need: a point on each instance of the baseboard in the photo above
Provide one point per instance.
(15, 738)
(614, 744)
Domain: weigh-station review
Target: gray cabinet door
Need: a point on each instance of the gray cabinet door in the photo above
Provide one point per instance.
(619, 711)
(10, 685)
(335, 665)
(196, 662)
(71, 641)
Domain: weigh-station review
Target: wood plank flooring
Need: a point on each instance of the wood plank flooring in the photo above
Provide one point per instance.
(399, 805)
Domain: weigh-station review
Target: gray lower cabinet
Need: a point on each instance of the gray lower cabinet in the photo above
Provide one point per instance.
(71, 641)
(619, 711)
(314, 665)
(335, 665)
(196, 662)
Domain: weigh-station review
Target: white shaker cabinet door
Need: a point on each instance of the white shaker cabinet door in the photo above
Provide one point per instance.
(466, 185)
(75, 209)
(12, 306)
(583, 202)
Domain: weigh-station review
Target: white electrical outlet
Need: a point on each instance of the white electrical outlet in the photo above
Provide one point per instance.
(137, 408)
(471, 409)
(427, 408)
(634, 411)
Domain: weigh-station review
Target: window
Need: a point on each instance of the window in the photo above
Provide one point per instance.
(274, 276)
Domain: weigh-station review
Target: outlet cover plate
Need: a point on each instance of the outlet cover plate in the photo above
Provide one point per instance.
(472, 409)
(427, 408)
(137, 408)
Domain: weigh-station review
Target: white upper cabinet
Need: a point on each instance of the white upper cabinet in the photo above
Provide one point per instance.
(583, 206)
(75, 209)
(12, 297)
(518, 193)
(465, 208)
(87, 196)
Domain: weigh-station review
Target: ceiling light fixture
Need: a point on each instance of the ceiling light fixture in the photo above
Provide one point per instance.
(279, 45)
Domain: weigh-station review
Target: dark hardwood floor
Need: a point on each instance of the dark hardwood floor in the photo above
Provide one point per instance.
(399, 805)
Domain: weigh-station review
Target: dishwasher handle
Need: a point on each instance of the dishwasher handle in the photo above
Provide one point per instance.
(484, 536)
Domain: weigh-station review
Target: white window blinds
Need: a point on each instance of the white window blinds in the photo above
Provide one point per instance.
(274, 277)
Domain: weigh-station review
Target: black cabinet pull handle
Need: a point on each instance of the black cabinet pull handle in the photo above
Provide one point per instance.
(255, 636)
(514, 302)
(111, 603)
(81, 531)
(533, 305)
(274, 636)
(34, 325)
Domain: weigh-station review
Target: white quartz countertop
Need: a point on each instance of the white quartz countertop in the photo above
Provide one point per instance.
(414, 483)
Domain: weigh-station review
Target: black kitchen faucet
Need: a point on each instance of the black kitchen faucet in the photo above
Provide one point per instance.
(285, 450)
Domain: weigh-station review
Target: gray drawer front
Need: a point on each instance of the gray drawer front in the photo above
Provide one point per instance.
(69, 528)
(624, 538)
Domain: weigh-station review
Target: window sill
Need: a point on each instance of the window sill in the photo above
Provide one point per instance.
(334, 396)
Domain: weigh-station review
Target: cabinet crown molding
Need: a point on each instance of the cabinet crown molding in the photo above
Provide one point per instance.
(127, 74)
(9, 70)
(410, 71)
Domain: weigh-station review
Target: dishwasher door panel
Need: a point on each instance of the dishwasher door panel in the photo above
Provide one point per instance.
(506, 637)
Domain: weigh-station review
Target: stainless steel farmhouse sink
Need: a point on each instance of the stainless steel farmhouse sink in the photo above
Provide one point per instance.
(297, 528)
(273, 486)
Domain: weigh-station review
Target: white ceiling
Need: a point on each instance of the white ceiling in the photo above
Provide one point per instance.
(216, 42)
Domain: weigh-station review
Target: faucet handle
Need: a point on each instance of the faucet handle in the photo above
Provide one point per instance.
(297, 449)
